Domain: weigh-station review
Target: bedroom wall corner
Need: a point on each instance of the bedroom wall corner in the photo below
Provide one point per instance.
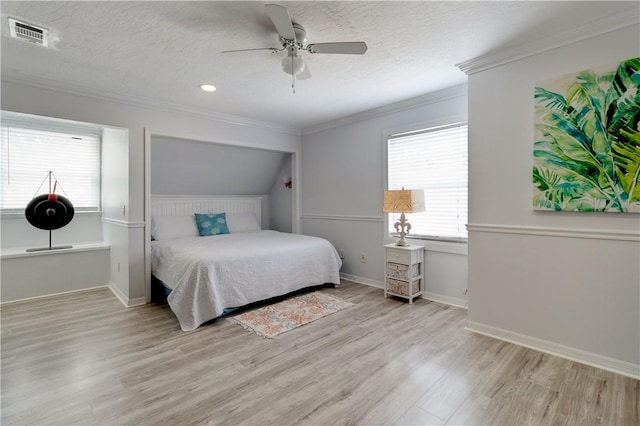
(281, 199)
(115, 211)
(343, 177)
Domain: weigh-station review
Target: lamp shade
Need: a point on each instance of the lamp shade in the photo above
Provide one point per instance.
(403, 201)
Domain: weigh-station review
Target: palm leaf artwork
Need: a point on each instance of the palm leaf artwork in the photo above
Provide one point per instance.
(586, 156)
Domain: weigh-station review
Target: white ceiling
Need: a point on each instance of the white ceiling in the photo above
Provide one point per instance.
(160, 52)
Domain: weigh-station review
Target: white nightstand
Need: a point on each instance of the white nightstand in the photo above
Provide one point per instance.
(403, 271)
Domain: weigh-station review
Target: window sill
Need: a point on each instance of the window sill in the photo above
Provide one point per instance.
(437, 246)
(76, 248)
(444, 246)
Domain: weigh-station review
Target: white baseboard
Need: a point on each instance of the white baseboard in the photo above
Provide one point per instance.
(362, 280)
(459, 303)
(46, 296)
(124, 299)
(573, 354)
(447, 300)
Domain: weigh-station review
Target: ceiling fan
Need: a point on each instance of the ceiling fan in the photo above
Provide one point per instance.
(293, 38)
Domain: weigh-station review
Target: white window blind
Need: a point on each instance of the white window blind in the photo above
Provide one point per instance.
(28, 154)
(434, 160)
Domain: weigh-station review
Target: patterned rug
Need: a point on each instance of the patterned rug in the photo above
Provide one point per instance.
(272, 320)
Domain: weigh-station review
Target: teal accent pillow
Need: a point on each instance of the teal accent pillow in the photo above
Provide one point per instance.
(212, 224)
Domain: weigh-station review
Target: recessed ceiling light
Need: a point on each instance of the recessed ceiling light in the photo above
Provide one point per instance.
(208, 88)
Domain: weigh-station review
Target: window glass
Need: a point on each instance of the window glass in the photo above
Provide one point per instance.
(434, 160)
(28, 154)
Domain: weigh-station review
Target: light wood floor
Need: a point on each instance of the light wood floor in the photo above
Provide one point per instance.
(85, 359)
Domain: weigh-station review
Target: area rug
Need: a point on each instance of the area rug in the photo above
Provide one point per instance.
(272, 320)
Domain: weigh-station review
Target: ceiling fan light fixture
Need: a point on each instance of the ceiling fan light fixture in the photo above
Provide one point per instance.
(293, 65)
(293, 39)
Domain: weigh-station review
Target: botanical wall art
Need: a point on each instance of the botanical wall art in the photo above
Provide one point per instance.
(587, 140)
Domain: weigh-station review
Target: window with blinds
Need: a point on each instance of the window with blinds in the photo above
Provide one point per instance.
(28, 154)
(434, 160)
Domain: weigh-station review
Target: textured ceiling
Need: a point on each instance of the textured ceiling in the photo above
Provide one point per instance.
(160, 52)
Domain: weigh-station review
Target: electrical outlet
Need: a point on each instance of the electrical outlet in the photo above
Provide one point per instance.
(363, 258)
(341, 254)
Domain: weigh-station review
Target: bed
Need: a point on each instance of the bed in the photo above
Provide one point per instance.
(207, 275)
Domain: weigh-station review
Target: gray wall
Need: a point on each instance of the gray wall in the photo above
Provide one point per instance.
(568, 283)
(343, 176)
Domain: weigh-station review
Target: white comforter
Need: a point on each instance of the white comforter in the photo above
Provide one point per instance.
(209, 274)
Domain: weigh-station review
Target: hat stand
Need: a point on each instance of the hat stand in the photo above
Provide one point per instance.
(49, 211)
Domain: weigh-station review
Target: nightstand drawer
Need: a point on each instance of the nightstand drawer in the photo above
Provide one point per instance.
(401, 271)
(403, 288)
(404, 256)
(399, 256)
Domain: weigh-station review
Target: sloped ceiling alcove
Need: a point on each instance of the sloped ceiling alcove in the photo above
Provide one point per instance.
(180, 166)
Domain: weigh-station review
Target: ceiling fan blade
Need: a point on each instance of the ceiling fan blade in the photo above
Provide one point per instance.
(347, 48)
(281, 20)
(273, 49)
(305, 74)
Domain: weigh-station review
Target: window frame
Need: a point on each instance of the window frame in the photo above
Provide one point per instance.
(54, 125)
(446, 245)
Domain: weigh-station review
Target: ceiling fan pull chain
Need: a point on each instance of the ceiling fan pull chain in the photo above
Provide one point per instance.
(293, 78)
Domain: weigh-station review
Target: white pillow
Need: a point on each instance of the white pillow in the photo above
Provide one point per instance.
(242, 222)
(167, 227)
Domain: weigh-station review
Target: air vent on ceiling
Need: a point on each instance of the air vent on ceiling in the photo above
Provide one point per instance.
(28, 32)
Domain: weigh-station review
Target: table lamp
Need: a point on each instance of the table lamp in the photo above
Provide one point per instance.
(403, 201)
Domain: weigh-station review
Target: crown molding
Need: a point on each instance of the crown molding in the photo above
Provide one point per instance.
(426, 99)
(544, 44)
(142, 102)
